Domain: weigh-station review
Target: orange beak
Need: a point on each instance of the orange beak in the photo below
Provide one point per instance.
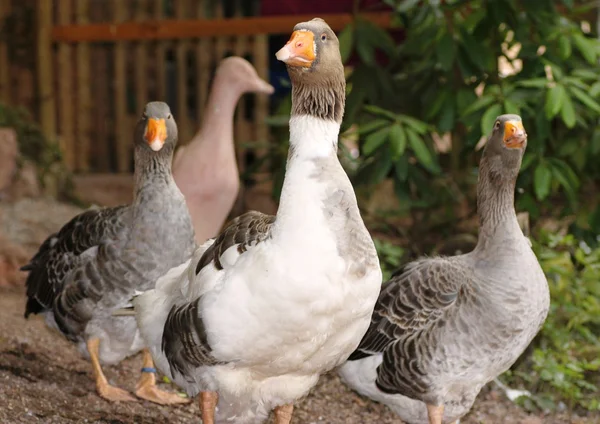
(299, 50)
(156, 133)
(514, 134)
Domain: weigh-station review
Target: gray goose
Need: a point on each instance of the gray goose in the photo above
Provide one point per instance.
(258, 314)
(445, 326)
(99, 259)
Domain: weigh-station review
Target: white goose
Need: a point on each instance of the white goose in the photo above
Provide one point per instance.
(259, 313)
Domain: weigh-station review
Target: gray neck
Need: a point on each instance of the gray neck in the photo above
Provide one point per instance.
(495, 200)
(152, 171)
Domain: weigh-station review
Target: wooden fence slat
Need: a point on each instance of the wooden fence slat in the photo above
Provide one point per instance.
(194, 28)
(121, 121)
(161, 48)
(44, 68)
(102, 128)
(181, 51)
(5, 87)
(203, 65)
(220, 40)
(65, 90)
(260, 56)
(140, 64)
(84, 96)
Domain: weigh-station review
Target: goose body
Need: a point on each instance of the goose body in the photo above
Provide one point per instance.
(102, 257)
(205, 169)
(260, 312)
(445, 326)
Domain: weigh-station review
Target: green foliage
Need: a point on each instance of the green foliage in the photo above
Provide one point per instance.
(445, 78)
(34, 146)
(565, 363)
(390, 256)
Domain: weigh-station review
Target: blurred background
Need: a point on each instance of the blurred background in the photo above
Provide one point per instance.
(426, 79)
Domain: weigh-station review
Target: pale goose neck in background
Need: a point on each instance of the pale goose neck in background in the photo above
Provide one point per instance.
(217, 123)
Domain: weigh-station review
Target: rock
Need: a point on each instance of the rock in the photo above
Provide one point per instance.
(531, 420)
(25, 184)
(9, 151)
(12, 257)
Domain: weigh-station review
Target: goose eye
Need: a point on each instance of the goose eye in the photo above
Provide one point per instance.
(169, 117)
(323, 37)
(497, 125)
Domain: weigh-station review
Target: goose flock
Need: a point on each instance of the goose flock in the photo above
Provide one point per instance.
(250, 319)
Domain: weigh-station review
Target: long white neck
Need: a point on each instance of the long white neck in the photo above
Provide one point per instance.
(313, 152)
(312, 137)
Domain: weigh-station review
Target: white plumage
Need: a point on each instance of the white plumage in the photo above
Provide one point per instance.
(259, 313)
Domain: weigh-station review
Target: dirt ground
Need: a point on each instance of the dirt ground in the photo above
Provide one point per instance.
(44, 380)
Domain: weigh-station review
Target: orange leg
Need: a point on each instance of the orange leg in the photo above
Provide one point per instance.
(208, 403)
(146, 387)
(283, 414)
(105, 390)
(435, 413)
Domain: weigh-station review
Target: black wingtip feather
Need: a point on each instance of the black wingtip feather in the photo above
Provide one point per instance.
(358, 354)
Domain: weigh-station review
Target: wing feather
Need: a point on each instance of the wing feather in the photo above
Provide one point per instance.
(62, 252)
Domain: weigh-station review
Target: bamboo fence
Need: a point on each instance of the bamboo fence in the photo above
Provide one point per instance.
(99, 61)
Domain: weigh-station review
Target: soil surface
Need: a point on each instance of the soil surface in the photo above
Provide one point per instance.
(43, 379)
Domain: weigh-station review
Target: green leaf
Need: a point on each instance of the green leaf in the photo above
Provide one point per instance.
(511, 107)
(419, 126)
(555, 98)
(564, 47)
(586, 74)
(489, 117)
(480, 103)
(436, 105)
(564, 175)
(346, 39)
(370, 126)
(586, 46)
(397, 139)
(365, 51)
(406, 5)
(595, 89)
(475, 50)
(445, 51)
(446, 121)
(277, 120)
(421, 151)
(374, 140)
(401, 168)
(567, 171)
(533, 83)
(376, 110)
(542, 178)
(584, 98)
(567, 112)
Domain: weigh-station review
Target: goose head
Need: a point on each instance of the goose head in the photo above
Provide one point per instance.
(505, 146)
(156, 131)
(312, 56)
(241, 74)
